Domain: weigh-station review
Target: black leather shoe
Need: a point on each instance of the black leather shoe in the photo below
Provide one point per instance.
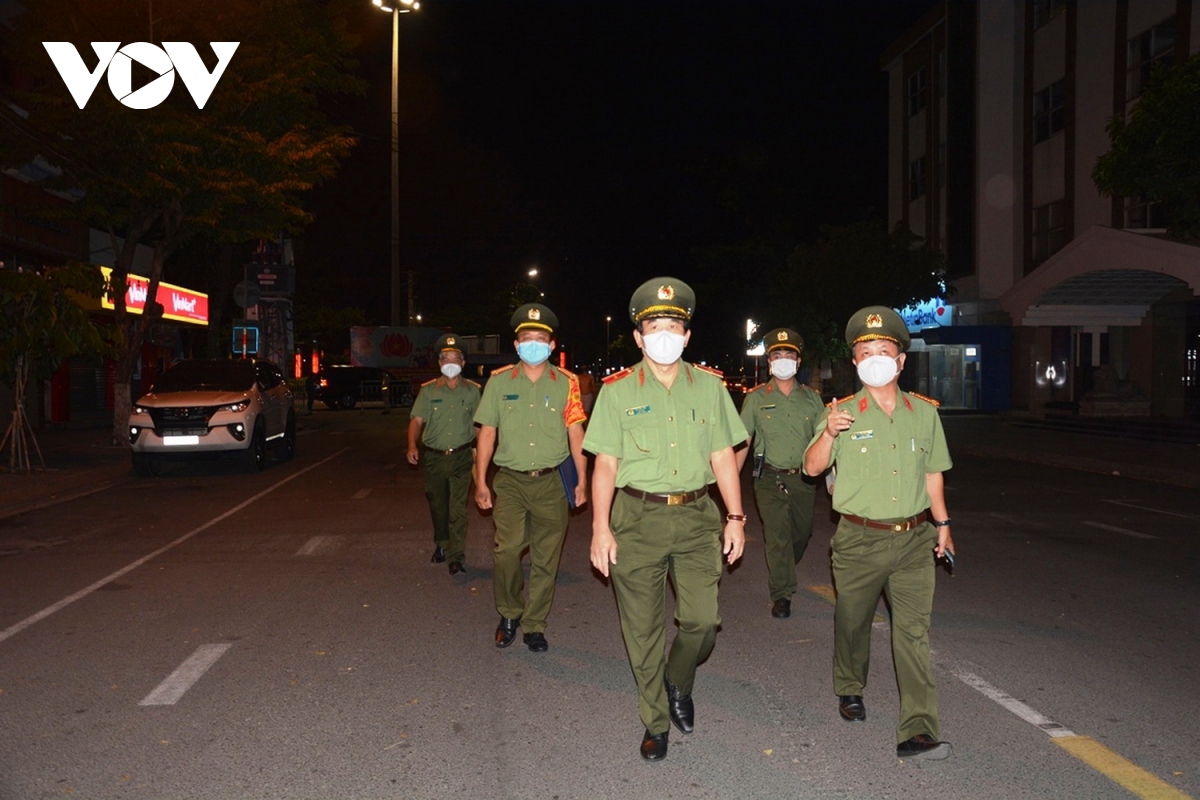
(682, 709)
(506, 631)
(923, 746)
(654, 745)
(536, 642)
(456, 567)
(439, 556)
(851, 707)
(782, 608)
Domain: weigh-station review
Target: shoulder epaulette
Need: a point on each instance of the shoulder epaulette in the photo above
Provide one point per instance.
(426, 383)
(616, 376)
(760, 386)
(839, 400)
(710, 370)
(498, 370)
(473, 383)
(929, 400)
(567, 372)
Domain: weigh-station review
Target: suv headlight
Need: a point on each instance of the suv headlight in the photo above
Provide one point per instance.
(236, 408)
(141, 410)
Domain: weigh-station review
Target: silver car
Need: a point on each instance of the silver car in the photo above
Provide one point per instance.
(210, 407)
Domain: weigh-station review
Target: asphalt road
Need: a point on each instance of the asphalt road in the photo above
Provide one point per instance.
(208, 634)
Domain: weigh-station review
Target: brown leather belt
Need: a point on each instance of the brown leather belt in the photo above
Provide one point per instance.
(533, 473)
(793, 471)
(894, 527)
(667, 499)
(456, 449)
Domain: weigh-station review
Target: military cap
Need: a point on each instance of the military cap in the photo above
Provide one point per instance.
(534, 315)
(785, 338)
(877, 322)
(448, 341)
(662, 297)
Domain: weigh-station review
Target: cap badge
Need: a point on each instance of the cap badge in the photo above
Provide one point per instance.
(666, 293)
(535, 313)
(874, 321)
(449, 340)
(783, 336)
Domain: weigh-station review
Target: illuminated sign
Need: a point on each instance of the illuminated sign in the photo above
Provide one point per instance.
(935, 313)
(179, 304)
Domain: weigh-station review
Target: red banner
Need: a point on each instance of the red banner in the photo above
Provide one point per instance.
(179, 304)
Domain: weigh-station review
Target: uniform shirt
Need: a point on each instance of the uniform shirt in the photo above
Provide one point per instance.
(531, 418)
(882, 461)
(448, 413)
(782, 425)
(663, 437)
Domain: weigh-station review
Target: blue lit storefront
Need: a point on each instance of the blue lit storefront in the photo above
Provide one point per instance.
(963, 367)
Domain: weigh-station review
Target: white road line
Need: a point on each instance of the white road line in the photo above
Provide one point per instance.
(84, 592)
(1115, 529)
(1148, 508)
(1011, 703)
(361, 494)
(320, 544)
(169, 691)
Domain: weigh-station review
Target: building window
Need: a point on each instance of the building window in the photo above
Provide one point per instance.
(1048, 112)
(1140, 214)
(1145, 52)
(918, 86)
(1049, 230)
(1046, 10)
(916, 178)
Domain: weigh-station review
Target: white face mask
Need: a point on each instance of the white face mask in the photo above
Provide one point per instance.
(878, 371)
(451, 370)
(784, 368)
(663, 347)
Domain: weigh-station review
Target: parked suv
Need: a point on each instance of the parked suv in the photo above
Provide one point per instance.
(210, 407)
(346, 387)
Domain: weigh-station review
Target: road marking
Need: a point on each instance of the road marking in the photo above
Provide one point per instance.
(1115, 529)
(84, 592)
(178, 682)
(319, 545)
(828, 594)
(361, 494)
(1108, 763)
(1147, 508)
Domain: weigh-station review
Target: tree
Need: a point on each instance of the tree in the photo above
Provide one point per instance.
(235, 170)
(41, 324)
(1155, 155)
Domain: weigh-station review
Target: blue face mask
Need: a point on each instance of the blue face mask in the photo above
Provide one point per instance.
(533, 352)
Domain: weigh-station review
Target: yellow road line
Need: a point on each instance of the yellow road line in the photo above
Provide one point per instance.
(1119, 769)
(827, 594)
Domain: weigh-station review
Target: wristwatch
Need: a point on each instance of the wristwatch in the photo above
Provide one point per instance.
(735, 517)
(941, 523)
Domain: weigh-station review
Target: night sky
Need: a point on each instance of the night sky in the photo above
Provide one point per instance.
(603, 143)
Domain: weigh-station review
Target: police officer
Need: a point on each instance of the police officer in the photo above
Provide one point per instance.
(445, 409)
(889, 452)
(663, 430)
(534, 410)
(780, 416)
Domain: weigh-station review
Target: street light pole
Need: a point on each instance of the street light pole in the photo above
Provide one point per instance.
(607, 342)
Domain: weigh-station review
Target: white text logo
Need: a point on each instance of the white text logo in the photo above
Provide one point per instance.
(164, 61)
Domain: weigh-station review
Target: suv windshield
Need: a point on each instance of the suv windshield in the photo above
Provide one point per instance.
(220, 376)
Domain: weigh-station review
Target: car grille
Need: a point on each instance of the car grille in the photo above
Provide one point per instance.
(182, 421)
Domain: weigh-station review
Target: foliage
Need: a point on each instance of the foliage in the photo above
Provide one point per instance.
(1155, 153)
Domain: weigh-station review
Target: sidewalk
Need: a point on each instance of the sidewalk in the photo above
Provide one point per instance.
(82, 462)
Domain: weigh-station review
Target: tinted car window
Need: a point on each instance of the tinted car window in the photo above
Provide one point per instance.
(190, 376)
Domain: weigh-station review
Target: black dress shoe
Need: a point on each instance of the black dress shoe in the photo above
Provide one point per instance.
(923, 746)
(654, 745)
(439, 555)
(536, 642)
(456, 567)
(506, 631)
(851, 707)
(681, 708)
(782, 608)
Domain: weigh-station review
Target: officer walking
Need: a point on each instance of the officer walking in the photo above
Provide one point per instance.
(534, 410)
(445, 408)
(780, 416)
(662, 432)
(889, 452)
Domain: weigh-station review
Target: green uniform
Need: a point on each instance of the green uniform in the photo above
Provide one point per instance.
(531, 511)
(449, 436)
(782, 426)
(663, 439)
(881, 463)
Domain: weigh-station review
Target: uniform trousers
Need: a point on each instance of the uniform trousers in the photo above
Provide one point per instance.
(787, 526)
(447, 483)
(530, 513)
(865, 562)
(653, 541)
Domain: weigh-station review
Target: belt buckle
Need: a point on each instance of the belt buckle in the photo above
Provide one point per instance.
(675, 499)
(900, 527)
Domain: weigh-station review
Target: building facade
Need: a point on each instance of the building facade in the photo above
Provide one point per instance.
(997, 115)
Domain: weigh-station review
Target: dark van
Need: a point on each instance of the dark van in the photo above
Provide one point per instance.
(346, 387)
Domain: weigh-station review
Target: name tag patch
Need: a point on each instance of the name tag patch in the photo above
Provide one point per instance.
(512, 397)
(633, 412)
(859, 435)
(769, 408)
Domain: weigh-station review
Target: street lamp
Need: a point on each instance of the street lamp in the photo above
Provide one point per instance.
(396, 8)
(607, 342)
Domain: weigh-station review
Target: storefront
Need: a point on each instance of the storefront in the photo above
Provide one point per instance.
(963, 367)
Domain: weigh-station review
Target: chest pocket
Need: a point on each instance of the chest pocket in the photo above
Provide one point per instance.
(865, 457)
(697, 433)
(640, 435)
